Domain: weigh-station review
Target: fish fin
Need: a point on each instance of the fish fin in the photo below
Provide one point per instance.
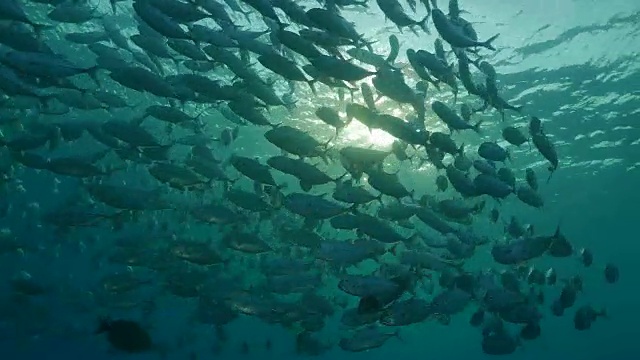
(305, 187)
(397, 335)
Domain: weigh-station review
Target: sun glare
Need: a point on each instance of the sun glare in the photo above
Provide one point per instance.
(358, 134)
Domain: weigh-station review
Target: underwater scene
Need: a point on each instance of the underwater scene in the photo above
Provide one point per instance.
(328, 179)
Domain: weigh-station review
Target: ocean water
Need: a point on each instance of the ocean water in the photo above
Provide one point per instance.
(573, 63)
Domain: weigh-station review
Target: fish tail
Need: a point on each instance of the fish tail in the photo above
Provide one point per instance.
(113, 6)
(412, 193)
(558, 232)
(327, 145)
(531, 230)
(283, 25)
(353, 209)
(44, 101)
(325, 157)
(461, 150)
(93, 73)
(488, 44)
(368, 43)
(458, 265)
(393, 250)
(313, 86)
(248, 17)
(423, 24)
(202, 112)
(552, 169)
(140, 119)
(476, 127)
(104, 325)
(338, 130)
(603, 312)
(351, 93)
(114, 169)
(482, 108)
(291, 105)
(339, 178)
(39, 28)
(435, 83)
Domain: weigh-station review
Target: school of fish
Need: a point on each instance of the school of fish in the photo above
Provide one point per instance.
(131, 115)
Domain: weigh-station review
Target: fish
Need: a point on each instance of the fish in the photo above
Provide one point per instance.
(451, 119)
(126, 335)
(547, 149)
(454, 36)
(366, 338)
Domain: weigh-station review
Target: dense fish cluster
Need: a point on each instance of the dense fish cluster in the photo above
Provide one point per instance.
(131, 117)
